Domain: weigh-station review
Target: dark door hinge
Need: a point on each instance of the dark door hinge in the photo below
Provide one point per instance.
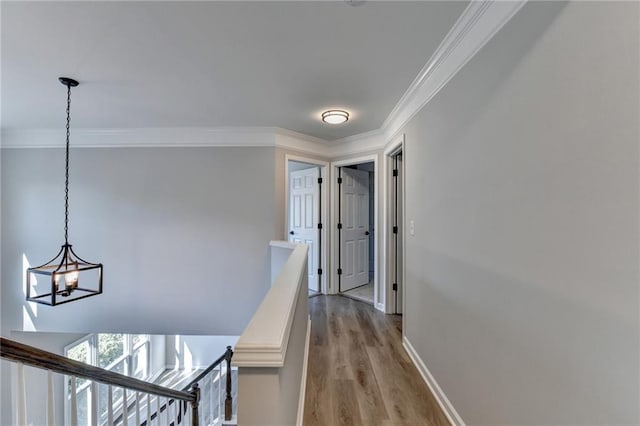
(395, 172)
(395, 287)
(395, 229)
(319, 180)
(339, 226)
(319, 271)
(339, 180)
(339, 271)
(319, 226)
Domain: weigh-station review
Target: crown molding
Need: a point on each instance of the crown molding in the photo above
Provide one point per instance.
(479, 22)
(357, 144)
(140, 137)
(288, 139)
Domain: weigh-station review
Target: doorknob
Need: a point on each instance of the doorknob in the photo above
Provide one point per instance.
(291, 232)
(366, 233)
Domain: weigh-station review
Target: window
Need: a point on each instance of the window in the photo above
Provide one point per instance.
(127, 354)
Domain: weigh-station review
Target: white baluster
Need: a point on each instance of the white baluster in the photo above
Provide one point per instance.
(51, 421)
(74, 403)
(94, 403)
(21, 396)
(214, 375)
(158, 411)
(148, 409)
(137, 409)
(219, 394)
(110, 406)
(176, 410)
(125, 408)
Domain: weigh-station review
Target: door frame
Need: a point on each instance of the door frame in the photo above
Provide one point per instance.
(392, 148)
(324, 201)
(378, 302)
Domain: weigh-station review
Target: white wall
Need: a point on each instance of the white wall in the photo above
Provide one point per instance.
(195, 351)
(522, 178)
(183, 234)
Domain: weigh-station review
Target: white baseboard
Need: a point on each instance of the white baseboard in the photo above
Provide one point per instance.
(303, 381)
(443, 401)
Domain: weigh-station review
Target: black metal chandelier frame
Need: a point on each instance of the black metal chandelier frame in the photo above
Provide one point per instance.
(64, 269)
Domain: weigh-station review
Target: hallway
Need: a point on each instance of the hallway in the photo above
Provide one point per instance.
(358, 372)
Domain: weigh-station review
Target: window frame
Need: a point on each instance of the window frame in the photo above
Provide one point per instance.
(129, 350)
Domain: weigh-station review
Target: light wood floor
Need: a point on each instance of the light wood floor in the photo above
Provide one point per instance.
(359, 373)
(364, 293)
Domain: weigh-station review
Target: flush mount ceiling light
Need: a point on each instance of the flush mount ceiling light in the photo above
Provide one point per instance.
(335, 116)
(65, 269)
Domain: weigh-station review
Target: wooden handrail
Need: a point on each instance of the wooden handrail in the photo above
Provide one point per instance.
(35, 357)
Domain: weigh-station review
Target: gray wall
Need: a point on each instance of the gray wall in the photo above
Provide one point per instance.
(183, 234)
(522, 179)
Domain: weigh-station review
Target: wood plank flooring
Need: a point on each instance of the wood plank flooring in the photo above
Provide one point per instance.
(359, 373)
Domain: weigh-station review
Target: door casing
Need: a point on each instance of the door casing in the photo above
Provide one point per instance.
(378, 299)
(395, 146)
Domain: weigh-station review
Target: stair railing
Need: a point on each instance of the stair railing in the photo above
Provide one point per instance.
(195, 383)
(181, 399)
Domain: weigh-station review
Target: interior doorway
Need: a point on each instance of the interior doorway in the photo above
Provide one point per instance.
(394, 226)
(356, 217)
(305, 213)
(397, 229)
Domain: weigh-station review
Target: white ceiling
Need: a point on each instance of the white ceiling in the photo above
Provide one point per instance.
(215, 64)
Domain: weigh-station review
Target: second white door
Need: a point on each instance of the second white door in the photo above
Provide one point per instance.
(354, 216)
(303, 216)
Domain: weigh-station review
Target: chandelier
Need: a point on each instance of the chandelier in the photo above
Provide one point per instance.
(66, 268)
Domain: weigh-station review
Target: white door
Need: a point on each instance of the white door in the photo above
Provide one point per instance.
(303, 216)
(354, 216)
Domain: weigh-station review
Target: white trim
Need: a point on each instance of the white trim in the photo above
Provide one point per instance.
(289, 139)
(443, 401)
(334, 220)
(357, 144)
(140, 137)
(264, 341)
(479, 22)
(324, 219)
(282, 244)
(398, 144)
(303, 380)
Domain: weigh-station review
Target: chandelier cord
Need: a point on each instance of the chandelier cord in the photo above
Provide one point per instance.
(66, 172)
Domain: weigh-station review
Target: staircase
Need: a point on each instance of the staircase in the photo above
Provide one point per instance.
(203, 401)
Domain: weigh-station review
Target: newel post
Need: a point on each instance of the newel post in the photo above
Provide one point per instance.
(228, 402)
(195, 391)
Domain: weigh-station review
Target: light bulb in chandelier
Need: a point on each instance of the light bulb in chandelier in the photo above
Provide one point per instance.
(71, 278)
